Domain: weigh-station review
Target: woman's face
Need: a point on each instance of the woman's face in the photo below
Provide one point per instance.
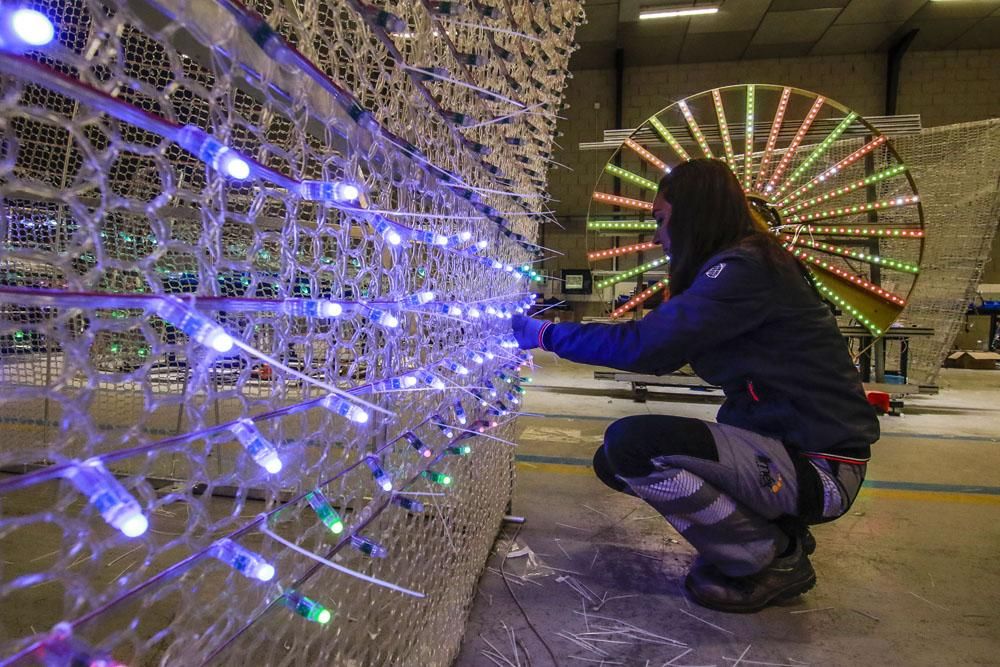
(661, 213)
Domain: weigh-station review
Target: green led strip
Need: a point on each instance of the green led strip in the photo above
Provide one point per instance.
(866, 231)
(874, 178)
(727, 143)
(630, 177)
(695, 130)
(631, 273)
(633, 225)
(863, 256)
(829, 294)
(817, 152)
(669, 138)
(855, 209)
(748, 144)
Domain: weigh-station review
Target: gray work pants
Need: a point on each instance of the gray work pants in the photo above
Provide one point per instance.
(729, 505)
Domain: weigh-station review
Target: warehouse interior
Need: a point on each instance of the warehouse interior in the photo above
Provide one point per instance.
(284, 287)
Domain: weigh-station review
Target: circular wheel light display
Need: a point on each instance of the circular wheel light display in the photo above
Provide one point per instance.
(827, 183)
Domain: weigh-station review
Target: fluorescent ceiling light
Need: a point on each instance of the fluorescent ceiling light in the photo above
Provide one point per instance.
(668, 13)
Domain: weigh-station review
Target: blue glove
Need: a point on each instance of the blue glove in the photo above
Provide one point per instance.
(528, 331)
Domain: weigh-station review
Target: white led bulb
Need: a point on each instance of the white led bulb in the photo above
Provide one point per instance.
(201, 329)
(344, 408)
(109, 497)
(244, 561)
(256, 445)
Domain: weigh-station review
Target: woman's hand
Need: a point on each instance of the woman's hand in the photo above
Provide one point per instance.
(528, 331)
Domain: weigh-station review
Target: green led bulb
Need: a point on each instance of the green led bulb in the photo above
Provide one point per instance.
(438, 477)
(307, 608)
(324, 510)
(459, 450)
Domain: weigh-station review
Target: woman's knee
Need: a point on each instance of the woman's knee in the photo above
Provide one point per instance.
(604, 472)
(632, 443)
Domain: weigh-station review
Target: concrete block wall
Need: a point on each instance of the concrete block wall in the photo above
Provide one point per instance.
(943, 86)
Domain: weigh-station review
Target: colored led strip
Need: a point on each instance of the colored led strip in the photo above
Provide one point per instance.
(857, 280)
(617, 252)
(837, 168)
(772, 137)
(786, 159)
(748, 142)
(669, 138)
(647, 156)
(823, 147)
(885, 262)
(727, 143)
(829, 294)
(635, 179)
(629, 225)
(624, 202)
(695, 130)
(855, 209)
(827, 196)
(908, 232)
(639, 298)
(631, 273)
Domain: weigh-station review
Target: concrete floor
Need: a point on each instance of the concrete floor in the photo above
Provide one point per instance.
(910, 576)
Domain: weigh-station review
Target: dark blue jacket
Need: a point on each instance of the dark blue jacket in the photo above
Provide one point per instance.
(764, 336)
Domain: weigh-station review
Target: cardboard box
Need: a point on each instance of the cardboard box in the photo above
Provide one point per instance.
(973, 360)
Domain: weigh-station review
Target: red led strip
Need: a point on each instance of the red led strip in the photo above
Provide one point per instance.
(786, 159)
(857, 280)
(624, 250)
(772, 138)
(615, 200)
(640, 298)
(832, 171)
(647, 156)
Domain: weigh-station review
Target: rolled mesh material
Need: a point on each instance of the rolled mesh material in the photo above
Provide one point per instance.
(302, 221)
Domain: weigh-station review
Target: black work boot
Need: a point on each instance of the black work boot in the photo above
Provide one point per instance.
(799, 532)
(785, 578)
(797, 529)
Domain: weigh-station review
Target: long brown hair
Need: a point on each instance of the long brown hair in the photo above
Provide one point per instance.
(710, 213)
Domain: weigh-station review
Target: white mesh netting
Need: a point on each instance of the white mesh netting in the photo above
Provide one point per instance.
(212, 213)
(957, 169)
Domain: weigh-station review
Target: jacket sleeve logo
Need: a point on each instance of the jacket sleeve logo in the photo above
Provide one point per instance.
(715, 270)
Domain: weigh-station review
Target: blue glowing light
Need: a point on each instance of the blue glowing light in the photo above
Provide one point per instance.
(439, 422)
(257, 446)
(23, 28)
(456, 367)
(321, 308)
(397, 383)
(340, 192)
(386, 229)
(430, 379)
(109, 497)
(418, 299)
(344, 408)
(201, 329)
(212, 152)
(380, 476)
(244, 561)
(383, 318)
